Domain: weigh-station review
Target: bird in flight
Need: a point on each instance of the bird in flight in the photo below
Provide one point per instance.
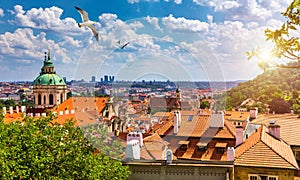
(124, 45)
(87, 22)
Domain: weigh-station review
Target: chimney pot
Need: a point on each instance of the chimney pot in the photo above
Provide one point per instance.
(230, 154)
(274, 129)
(239, 139)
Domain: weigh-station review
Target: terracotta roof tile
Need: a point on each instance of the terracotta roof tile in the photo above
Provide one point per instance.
(237, 115)
(154, 147)
(194, 127)
(263, 150)
(289, 126)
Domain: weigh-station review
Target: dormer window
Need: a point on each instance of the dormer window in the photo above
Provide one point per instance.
(221, 147)
(202, 146)
(184, 144)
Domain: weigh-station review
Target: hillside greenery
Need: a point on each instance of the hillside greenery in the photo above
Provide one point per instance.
(276, 89)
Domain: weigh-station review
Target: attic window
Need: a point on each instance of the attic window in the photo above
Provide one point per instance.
(190, 118)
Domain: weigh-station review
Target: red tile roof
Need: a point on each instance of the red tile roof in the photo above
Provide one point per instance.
(263, 150)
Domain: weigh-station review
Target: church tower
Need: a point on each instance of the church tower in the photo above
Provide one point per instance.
(49, 89)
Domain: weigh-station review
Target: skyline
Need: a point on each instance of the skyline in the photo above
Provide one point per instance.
(175, 40)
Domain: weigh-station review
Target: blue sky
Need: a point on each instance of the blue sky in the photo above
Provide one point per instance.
(168, 39)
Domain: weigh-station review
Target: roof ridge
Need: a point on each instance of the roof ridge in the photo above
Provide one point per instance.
(259, 131)
(275, 150)
(226, 122)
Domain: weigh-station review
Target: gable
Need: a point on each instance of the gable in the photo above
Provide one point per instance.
(261, 155)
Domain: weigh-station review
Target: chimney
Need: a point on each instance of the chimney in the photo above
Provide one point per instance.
(274, 129)
(179, 118)
(23, 109)
(175, 122)
(230, 154)
(4, 110)
(217, 120)
(11, 111)
(253, 113)
(135, 136)
(133, 151)
(239, 137)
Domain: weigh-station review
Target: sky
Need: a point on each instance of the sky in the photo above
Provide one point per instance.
(192, 40)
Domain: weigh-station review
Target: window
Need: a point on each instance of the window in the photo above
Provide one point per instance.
(253, 177)
(272, 178)
(61, 98)
(39, 99)
(51, 102)
(262, 177)
(202, 148)
(220, 150)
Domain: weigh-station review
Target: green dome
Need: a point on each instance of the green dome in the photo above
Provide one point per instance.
(49, 79)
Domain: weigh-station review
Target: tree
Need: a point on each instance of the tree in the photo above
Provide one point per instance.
(204, 104)
(286, 42)
(39, 149)
(280, 106)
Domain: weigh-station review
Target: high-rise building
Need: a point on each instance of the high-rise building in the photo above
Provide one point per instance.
(105, 78)
(93, 79)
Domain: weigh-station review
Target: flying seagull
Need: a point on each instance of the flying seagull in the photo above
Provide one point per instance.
(124, 45)
(87, 22)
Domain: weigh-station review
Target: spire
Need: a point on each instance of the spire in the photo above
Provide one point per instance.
(48, 54)
(48, 67)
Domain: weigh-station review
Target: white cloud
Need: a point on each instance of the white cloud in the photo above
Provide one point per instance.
(246, 9)
(226, 5)
(154, 22)
(70, 42)
(1, 12)
(23, 44)
(209, 19)
(47, 19)
(183, 24)
(178, 1)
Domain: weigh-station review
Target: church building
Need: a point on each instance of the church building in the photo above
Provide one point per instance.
(49, 89)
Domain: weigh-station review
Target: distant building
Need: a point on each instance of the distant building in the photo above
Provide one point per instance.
(93, 79)
(105, 78)
(49, 88)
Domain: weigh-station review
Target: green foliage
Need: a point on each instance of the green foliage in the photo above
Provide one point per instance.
(97, 135)
(7, 103)
(204, 104)
(39, 149)
(285, 40)
(280, 106)
(272, 84)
